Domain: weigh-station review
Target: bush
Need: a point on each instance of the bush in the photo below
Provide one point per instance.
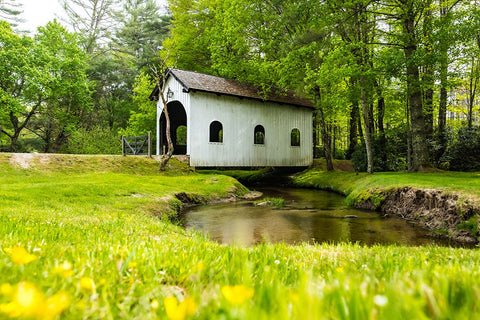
(463, 152)
(394, 160)
(96, 141)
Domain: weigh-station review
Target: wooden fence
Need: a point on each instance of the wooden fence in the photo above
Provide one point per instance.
(137, 146)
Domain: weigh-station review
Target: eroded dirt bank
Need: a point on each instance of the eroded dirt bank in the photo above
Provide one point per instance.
(445, 214)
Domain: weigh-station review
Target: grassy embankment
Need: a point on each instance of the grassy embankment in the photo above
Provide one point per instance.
(81, 240)
(355, 186)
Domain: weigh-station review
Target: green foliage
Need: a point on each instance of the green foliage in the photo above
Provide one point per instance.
(463, 153)
(188, 43)
(394, 152)
(143, 115)
(96, 140)
(113, 79)
(471, 225)
(68, 95)
(139, 33)
(45, 86)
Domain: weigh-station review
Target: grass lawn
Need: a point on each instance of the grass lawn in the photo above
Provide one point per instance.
(467, 185)
(82, 239)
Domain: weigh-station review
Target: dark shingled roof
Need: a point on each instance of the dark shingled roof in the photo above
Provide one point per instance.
(194, 81)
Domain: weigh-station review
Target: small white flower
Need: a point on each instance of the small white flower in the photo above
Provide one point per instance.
(380, 300)
(277, 262)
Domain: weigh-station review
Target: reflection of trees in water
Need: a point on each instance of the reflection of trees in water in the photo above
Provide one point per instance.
(247, 225)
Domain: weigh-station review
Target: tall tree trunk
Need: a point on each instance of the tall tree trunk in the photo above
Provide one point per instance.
(409, 137)
(323, 128)
(472, 90)
(169, 153)
(364, 62)
(414, 92)
(59, 140)
(359, 126)
(442, 107)
(381, 129)
(428, 76)
(353, 131)
(371, 118)
(13, 141)
(315, 135)
(367, 129)
(334, 140)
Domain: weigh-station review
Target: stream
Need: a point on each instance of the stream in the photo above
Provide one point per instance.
(311, 216)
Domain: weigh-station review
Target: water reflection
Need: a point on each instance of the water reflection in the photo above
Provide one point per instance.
(309, 216)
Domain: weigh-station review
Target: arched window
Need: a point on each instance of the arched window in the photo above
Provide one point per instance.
(295, 138)
(259, 137)
(216, 132)
(181, 135)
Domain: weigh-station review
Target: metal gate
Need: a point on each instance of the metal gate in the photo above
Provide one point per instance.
(135, 146)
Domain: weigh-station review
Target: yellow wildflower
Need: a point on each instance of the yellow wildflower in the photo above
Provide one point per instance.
(64, 269)
(56, 304)
(20, 256)
(6, 289)
(237, 294)
(29, 302)
(28, 298)
(87, 283)
(200, 266)
(339, 269)
(179, 311)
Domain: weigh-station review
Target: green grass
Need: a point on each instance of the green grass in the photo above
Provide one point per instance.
(98, 220)
(467, 185)
(270, 202)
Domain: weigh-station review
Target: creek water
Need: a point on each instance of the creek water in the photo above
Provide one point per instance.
(311, 216)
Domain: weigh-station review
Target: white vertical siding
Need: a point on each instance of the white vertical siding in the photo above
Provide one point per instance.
(239, 118)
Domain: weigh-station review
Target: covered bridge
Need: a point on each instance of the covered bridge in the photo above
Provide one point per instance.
(221, 122)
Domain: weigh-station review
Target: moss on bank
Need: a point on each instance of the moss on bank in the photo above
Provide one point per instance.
(439, 201)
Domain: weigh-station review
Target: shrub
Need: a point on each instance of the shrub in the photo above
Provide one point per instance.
(394, 161)
(95, 141)
(463, 152)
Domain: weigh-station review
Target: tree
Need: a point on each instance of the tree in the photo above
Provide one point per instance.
(189, 41)
(140, 31)
(161, 73)
(10, 11)
(143, 119)
(67, 93)
(395, 54)
(403, 16)
(22, 84)
(90, 18)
